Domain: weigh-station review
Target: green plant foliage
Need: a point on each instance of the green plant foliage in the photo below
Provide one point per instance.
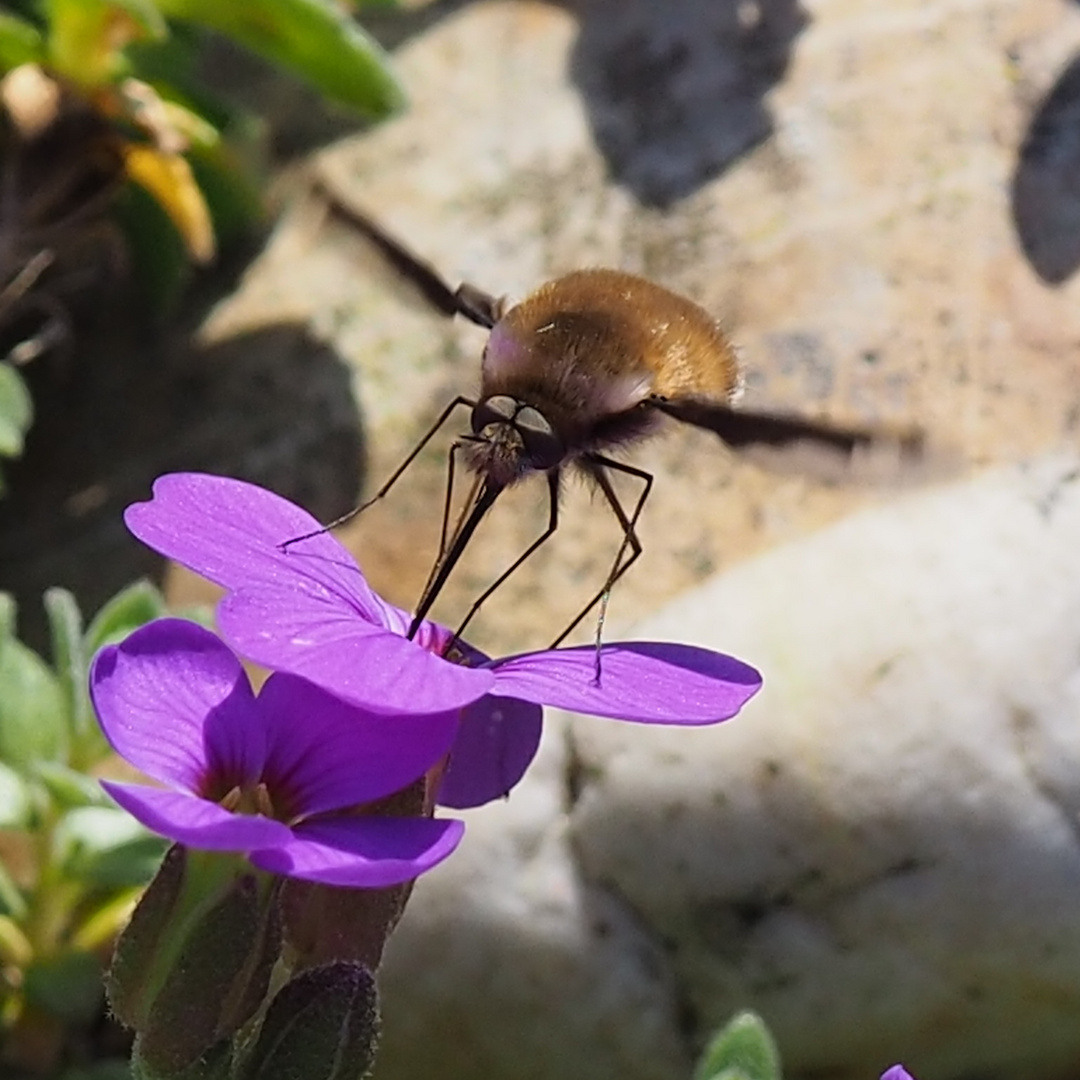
(67, 985)
(33, 714)
(82, 33)
(75, 860)
(742, 1050)
(129, 609)
(20, 41)
(16, 412)
(103, 845)
(314, 39)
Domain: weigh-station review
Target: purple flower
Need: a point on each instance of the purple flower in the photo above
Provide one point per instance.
(307, 610)
(897, 1072)
(282, 776)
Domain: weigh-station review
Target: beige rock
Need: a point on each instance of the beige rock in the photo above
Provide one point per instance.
(841, 184)
(881, 854)
(859, 249)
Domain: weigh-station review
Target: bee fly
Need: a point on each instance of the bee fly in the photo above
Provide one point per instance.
(588, 363)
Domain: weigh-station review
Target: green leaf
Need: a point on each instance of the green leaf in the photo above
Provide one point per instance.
(33, 712)
(69, 985)
(20, 42)
(315, 39)
(742, 1050)
(69, 788)
(107, 847)
(16, 801)
(127, 865)
(235, 203)
(161, 267)
(12, 901)
(70, 659)
(16, 411)
(132, 607)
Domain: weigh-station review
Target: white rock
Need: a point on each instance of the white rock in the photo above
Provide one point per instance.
(881, 854)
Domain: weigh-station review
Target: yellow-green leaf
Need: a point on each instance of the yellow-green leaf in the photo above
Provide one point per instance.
(87, 37)
(169, 179)
(20, 42)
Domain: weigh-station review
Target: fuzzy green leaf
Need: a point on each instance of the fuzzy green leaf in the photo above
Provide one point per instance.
(742, 1050)
(103, 845)
(16, 411)
(33, 712)
(70, 660)
(130, 608)
(323, 1025)
(12, 900)
(70, 788)
(16, 802)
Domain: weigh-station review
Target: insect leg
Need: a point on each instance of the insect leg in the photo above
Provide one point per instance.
(552, 525)
(394, 476)
(594, 465)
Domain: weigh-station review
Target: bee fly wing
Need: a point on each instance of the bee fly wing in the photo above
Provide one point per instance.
(476, 305)
(800, 444)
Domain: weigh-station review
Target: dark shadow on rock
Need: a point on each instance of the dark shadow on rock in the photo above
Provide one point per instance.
(1046, 184)
(675, 91)
(273, 406)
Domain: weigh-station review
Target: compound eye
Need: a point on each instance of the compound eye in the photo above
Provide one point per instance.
(543, 447)
(499, 409)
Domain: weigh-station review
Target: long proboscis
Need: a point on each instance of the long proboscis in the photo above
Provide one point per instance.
(489, 492)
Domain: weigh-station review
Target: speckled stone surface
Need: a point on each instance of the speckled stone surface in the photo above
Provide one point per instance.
(879, 202)
(857, 238)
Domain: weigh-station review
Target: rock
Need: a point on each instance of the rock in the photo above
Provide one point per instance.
(835, 182)
(881, 854)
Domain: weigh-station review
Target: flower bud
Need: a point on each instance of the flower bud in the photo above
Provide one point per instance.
(323, 1025)
(194, 962)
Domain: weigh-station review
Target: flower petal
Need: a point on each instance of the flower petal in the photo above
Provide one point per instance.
(896, 1072)
(332, 648)
(232, 533)
(196, 822)
(362, 852)
(174, 702)
(648, 682)
(496, 743)
(326, 754)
